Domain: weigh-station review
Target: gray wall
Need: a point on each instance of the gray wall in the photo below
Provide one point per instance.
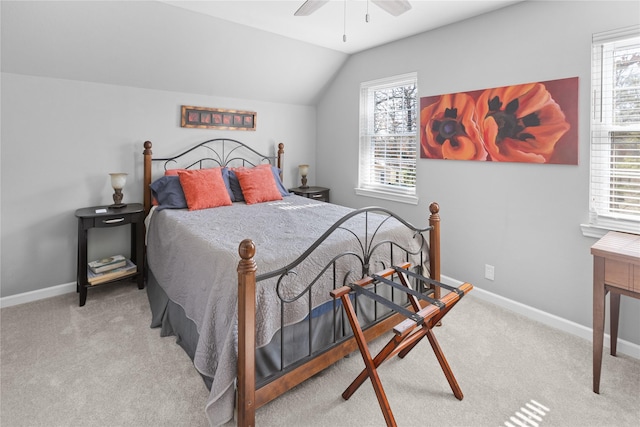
(84, 84)
(61, 138)
(522, 218)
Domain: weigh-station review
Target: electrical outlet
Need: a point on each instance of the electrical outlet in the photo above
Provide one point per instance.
(489, 272)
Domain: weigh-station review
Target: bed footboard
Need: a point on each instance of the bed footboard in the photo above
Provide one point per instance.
(251, 397)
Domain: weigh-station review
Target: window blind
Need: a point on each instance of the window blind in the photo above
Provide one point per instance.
(615, 126)
(388, 134)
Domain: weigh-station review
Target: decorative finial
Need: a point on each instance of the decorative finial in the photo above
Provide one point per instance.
(247, 249)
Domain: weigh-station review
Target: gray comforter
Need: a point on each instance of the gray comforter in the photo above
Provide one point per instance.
(194, 256)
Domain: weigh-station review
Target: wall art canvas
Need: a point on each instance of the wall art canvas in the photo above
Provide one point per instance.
(217, 118)
(527, 123)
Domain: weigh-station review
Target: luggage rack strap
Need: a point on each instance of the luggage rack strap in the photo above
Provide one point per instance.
(408, 290)
(382, 300)
(429, 280)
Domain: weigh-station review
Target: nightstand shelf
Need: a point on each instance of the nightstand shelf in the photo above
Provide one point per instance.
(315, 193)
(106, 217)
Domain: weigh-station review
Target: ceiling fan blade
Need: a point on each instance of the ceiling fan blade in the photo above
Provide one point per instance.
(394, 7)
(310, 6)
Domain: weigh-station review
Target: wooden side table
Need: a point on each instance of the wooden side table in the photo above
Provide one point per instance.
(616, 269)
(315, 193)
(105, 217)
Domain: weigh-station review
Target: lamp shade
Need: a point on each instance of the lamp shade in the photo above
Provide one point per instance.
(304, 170)
(118, 180)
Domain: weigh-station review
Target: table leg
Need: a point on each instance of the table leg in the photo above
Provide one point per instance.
(137, 251)
(81, 280)
(598, 319)
(614, 300)
(83, 296)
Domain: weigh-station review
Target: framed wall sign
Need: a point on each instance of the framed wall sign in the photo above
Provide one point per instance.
(217, 118)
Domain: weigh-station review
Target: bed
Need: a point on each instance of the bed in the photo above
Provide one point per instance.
(244, 286)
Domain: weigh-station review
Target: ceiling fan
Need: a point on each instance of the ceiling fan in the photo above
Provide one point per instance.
(394, 7)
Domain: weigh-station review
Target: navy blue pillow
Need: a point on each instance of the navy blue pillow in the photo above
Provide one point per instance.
(168, 192)
(234, 186)
(226, 177)
(279, 184)
(235, 191)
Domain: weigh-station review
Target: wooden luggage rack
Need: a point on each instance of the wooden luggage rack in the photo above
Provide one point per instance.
(427, 312)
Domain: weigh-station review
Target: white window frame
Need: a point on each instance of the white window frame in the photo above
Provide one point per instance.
(367, 186)
(601, 219)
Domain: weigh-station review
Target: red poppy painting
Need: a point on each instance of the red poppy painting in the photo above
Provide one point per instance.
(529, 123)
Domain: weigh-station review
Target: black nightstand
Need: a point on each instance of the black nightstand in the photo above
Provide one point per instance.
(105, 217)
(315, 193)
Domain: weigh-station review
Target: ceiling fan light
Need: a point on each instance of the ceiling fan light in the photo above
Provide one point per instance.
(394, 7)
(310, 6)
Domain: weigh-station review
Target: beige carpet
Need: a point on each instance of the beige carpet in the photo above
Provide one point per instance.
(101, 365)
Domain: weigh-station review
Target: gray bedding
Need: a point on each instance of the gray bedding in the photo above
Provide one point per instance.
(194, 256)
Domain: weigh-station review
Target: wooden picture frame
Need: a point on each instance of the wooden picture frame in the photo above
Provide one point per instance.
(217, 118)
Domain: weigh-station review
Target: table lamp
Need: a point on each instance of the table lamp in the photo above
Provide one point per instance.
(118, 180)
(304, 170)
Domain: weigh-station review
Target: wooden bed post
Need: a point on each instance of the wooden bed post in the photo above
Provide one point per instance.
(146, 180)
(246, 334)
(434, 245)
(280, 159)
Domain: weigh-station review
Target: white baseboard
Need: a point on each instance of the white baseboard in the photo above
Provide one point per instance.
(625, 347)
(37, 295)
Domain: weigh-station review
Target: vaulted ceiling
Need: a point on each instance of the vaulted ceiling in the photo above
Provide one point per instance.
(237, 49)
(326, 26)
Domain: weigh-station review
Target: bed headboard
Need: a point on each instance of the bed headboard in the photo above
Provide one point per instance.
(218, 152)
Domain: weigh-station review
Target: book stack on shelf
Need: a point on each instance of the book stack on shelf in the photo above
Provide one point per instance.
(110, 268)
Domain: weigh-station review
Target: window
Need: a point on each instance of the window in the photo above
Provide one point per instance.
(388, 138)
(615, 131)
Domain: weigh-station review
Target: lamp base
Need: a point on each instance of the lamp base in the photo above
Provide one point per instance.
(117, 205)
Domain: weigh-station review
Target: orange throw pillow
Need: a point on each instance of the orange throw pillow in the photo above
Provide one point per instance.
(257, 184)
(204, 188)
